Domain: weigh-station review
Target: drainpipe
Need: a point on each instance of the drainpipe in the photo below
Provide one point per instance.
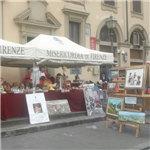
(127, 20)
(1, 17)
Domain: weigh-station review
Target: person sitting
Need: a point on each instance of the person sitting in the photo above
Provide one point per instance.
(28, 76)
(52, 79)
(43, 72)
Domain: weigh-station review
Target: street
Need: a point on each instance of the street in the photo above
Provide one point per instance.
(87, 136)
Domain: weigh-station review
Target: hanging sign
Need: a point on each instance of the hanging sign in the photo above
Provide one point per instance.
(93, 43)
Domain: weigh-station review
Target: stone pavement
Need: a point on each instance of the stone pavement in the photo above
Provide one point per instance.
(19, 126)
(91, 136)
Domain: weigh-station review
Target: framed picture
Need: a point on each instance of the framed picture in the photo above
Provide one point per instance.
(130, 100)
(111, 87)
(113, 73)
(135, 78)
(121, 73)
(114, 105)
(121, 86)
(136, 117)
(139, 102)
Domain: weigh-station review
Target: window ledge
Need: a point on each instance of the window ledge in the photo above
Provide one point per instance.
(109, 7)
(136, 60)
(137, 15)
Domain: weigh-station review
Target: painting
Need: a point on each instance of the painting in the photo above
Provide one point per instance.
(121, 73)
(139, 102)
(111, 87)
(114, 105)
(136, 117)
(58, 107)
(113, 73)
(121, 86)
(135, 78)
(93, 102)
(131, 100)
(37, 108)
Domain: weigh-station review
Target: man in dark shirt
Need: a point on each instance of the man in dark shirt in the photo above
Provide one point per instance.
(51, 78)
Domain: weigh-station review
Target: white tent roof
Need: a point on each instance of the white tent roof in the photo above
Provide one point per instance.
(16, 55)
(60, 51)
(55, 51)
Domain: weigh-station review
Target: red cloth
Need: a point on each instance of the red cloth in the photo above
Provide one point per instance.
(14, 105)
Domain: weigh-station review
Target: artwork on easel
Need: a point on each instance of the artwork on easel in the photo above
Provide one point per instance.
(136, 117)
(139, 102)
(121, 86)
(111, 87)
(131, 100)
(135, 78)
(114, 105)
(122, 73)
(113, 73)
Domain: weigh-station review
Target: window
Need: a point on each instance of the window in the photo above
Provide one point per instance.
(137, 6)
(29, 39)
(74, 32)
(108, 2)
(105, 34)
(110, 5)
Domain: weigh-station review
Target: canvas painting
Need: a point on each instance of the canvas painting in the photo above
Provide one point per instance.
(131, 100)
(121, 86)
(139, 101)
(134, 78)
(58, 107)
(93, 102)
(37, 108)
(111, 87)
(114, 105)
(113, 74)
(136, 117)
(122, 73)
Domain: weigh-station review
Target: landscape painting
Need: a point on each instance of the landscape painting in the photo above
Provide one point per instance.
(114, 105)
(113, 74)
(58, 107)
(136, 117)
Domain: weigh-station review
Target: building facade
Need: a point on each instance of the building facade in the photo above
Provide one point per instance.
(83, 22)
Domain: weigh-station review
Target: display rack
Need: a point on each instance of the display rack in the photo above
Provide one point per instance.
(133, 93)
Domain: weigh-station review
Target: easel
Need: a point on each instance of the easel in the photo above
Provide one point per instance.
(134, 93)
(124, 123)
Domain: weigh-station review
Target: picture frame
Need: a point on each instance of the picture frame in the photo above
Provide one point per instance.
(114, 105)
(131, 100)
(135, 78)
(139, 102)
(121, 86)
(111, 87)
(121, 73)
(113, 73)
(135, 117)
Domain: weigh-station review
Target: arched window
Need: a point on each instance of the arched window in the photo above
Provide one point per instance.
(105, 35)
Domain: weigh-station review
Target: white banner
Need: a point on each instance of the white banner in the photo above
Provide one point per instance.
(37, 108)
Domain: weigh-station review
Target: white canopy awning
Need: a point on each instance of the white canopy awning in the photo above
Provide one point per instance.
(60, 51)
(16, 55)
(55, 51)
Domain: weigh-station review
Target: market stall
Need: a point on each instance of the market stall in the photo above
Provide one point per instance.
(48, 51)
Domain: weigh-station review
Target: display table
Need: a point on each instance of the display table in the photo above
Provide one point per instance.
(14, 105)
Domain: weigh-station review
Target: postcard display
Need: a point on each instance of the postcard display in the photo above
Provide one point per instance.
(127, 98)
